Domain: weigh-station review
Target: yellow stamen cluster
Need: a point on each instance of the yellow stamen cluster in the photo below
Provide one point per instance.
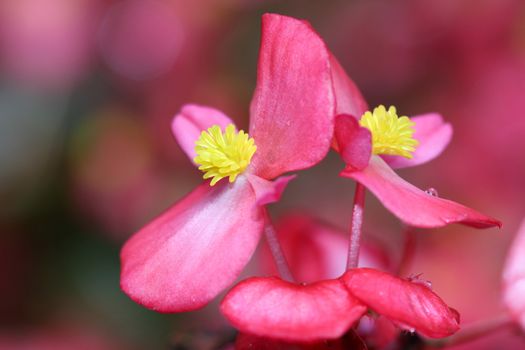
(221, 155)
(391, 134)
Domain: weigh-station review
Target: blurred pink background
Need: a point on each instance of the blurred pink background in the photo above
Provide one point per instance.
(87, 92)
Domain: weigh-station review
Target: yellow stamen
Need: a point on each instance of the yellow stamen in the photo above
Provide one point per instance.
(391, 134)
(225, 154)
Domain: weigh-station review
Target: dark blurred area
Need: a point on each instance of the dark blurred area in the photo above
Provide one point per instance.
(87, 92)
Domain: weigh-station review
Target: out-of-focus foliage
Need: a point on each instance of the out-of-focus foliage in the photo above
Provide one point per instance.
(87, 93)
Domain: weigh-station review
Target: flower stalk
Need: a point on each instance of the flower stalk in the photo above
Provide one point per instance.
(277, 252)
(356, 225)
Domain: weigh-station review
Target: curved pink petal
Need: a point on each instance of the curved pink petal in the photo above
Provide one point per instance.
(188, 124)
(348, 98)
(433, 134)
(412, 205)
(411, 305)
(267, 191)
(353, 142)
(186, 256)
(271, 307)
(292, 109)
(514, 278)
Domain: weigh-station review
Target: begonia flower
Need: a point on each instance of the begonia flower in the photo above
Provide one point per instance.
(514, 278)
(381, 140)
(185, 257)
(318, 308)
(327, 308)
(271, 307)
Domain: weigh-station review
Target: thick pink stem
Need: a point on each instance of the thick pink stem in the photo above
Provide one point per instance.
(277, 252)
(355, 226)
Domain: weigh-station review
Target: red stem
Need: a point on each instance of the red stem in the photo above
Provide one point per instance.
(277, 252)
(355, 226)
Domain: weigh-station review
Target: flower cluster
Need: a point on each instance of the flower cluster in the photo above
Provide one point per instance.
(304, 105)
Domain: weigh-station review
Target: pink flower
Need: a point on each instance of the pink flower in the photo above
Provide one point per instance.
(328, 308)
(380, 141)
(514, 278)
(271, 307)
(185, 257)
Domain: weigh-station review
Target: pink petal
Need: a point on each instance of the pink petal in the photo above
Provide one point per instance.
(185, 257)
(353, 142)
(191, 121)
(271, 307)
(292, 109)
(412, 205)
(266, 191)
(433, 135)
(514, 278)
(412, 305)
(348, 98)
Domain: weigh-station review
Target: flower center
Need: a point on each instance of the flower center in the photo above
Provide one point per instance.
(221, 155)
(391, 134)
